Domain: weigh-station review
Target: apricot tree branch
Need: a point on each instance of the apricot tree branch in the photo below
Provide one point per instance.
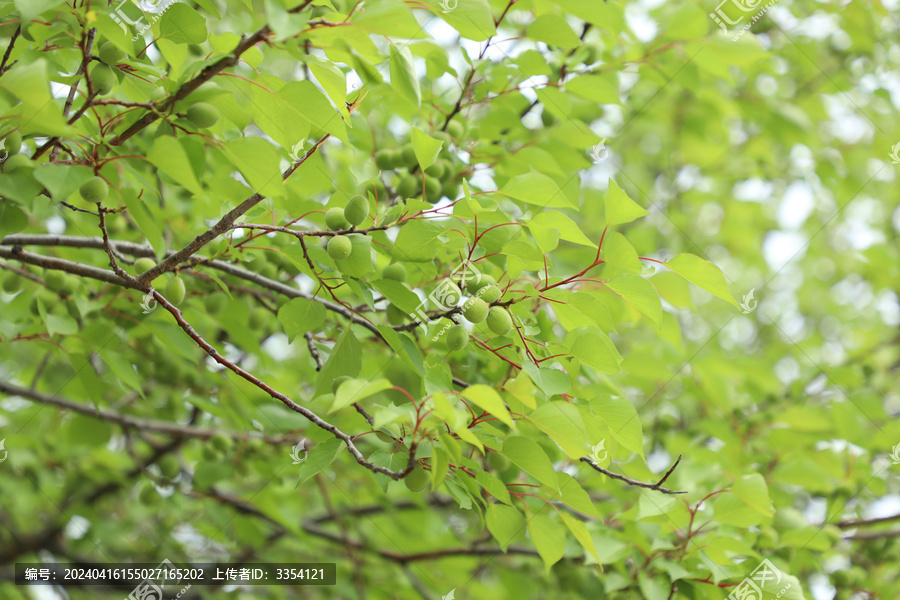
(650, 486)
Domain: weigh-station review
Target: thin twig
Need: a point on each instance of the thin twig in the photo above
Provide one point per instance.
(630, 481)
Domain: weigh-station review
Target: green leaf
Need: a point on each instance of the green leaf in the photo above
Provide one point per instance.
(397, 294)
(392, 19)
(12, 219)
(638, 293)
(277, 116)
(494, 486)
(425, 147)
(549, 538)
(83, 430)
(505, 523)
(703, 274)
(62, 180)
(403, 74)
(562, 422)
(567, 228)
(486, 398)
(619, 207)
(620, 254)
(38, 112)
(168, 155)
(318, 459)
(258, 162)
(315, 108)
(602, 89)
(418, 241)
(552, 29)
(534, 188)
(551, 381)
(531, 458)
(581, 534)
(345, 359)
(356, 390)
(146, 221)
(471, 18)
(331, 79)
(623, 421)
(300, 315)
(182, 24)
(594, 348)
(121, 368)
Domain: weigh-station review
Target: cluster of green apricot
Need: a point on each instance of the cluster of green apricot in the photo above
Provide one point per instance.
(175, 288)
(340, 219)
(58, 284)
(477, 308)
(217, 447)
(439, 180)
(102, 75)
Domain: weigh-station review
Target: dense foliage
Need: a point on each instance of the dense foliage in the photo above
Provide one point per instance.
(484, 298)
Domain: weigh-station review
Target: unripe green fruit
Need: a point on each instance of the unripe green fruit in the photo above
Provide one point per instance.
(457, 338)
(408, 186)
(221, 441)
(258, 317)
(438, 169)
(396, 158)
(456, 129)
(408, 156)
(476, 283)
(499, 321)
(175, 291)
(143, 265)
(416, 480)
(476, 310)
(214, 303)
(395, 316)
(148, 496)
(548, 119)
(71, 284)
(384, 159)
(395, 272)
(269, 271)
(338, 381)
(339, 247)
(432, 189)
(490, 293)
(357, 210)
(55, 280)
(168, 466)
(497, 462)
(11, 283)
(335, 219)
(211, 453)
(12, 143)
(203, 114)
(444, 137)
(450, 189)
(18, 161)
(103, 78)
(110, 53)
(94, 189)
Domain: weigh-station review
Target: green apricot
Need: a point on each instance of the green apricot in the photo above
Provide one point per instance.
(269, 271)
(499, 321)
(450, 189)
(168, 466)
(476, 310)
(18, 161)
(335, 219)
(357, 210)
(11, 283)
(175, 291)
(148, 496)
(71, 284)
(47, 297)
(416, 480)
(456, 129)
(432, 189)
(258, 317)
(395, 272)
(110, 54)
(211, 453)
(444, 137)
(103, 78)
(395, 316)
(338, 381)
(339, 247)
(12, 143)
(55, 280)
(384, 159)
(143, 265)
(457, 338)
(497, 462)
(438, 169)
(214, 303)
(203, 114)
(408, 156)
(490, 293)
(408, 186)
(476, 283)
(94, 189)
